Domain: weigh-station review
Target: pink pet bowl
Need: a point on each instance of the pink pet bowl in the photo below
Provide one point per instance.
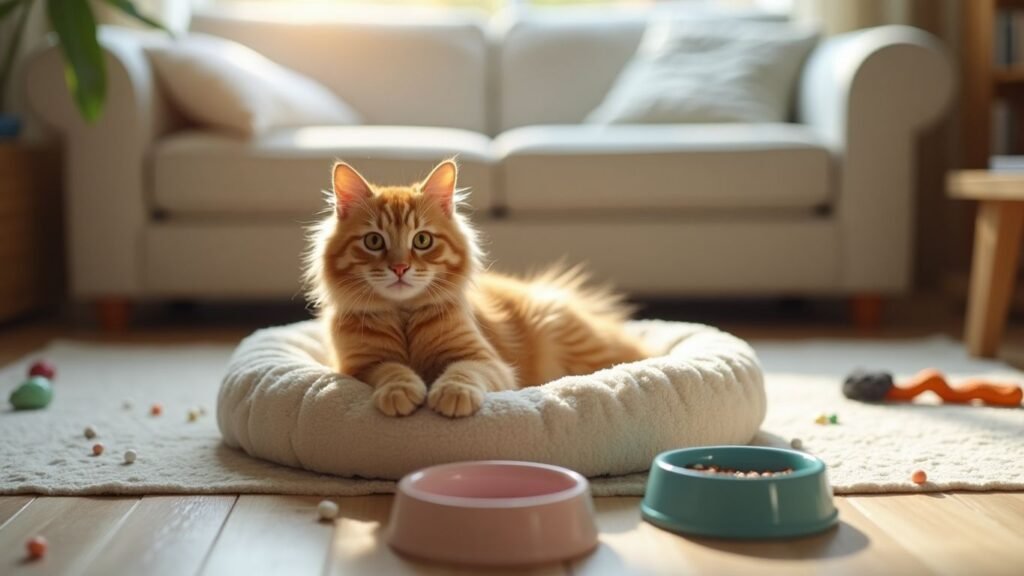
(493, 513)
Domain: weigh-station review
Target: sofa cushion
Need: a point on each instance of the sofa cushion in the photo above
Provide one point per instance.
(222, 84)
(427, 71)
(555, 66)
(676, 166)
(704, 71)
(285, 171)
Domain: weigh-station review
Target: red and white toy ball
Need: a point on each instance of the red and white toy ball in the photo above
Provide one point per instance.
(44, 369)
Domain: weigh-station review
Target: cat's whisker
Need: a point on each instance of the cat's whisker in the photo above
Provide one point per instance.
(437, 306)
(446, 284)
(358, 297)
(368, 291)
(343, 296)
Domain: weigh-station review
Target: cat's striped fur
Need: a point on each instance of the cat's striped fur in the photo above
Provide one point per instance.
(412, 314)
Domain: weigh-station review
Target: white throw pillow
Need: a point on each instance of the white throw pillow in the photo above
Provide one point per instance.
(708, 70)
(223, 84)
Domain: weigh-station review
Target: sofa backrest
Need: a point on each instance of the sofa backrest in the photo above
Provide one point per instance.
(453, 68)
(429, 73)
(554, 68)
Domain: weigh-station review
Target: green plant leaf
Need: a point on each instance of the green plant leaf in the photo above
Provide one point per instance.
(7, 65)
(84, 65)
(6, 6)
(130, 9)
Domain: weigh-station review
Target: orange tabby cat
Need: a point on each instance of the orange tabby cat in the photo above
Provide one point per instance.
(396, 274)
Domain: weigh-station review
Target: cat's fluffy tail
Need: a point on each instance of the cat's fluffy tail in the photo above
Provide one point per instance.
(601, 301)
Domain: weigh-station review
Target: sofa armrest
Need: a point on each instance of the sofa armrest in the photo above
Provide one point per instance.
(867, 94)
(105, 162)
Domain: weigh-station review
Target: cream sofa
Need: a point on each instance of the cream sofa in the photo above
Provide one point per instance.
(819, 206)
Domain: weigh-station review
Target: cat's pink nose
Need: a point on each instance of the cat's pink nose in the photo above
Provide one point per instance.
(399, 269)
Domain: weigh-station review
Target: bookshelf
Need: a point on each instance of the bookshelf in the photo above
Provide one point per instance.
(986, 81)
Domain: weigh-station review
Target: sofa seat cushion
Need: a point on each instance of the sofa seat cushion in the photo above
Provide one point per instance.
(285, 171)
(675, 166)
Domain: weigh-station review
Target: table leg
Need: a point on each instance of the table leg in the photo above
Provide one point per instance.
(997, 237)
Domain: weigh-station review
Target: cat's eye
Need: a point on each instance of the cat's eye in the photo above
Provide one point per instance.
(422, 240)
(373, 241)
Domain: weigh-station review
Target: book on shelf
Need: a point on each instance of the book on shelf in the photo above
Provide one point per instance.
(1008, 53)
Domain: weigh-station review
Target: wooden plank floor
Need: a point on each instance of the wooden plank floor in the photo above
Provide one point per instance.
(252, 535)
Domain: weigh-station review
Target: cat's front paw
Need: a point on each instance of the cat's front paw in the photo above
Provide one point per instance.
(400, 397)
(455, 399)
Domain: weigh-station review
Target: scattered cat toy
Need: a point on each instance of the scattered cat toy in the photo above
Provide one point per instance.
(36, 392)
(869, 386)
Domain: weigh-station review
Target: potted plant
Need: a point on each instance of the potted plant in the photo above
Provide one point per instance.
(75, 26)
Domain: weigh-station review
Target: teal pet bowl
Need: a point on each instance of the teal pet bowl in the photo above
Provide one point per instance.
(689, 501)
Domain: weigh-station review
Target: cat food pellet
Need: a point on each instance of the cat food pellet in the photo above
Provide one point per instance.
(796, 443)
(97, 449)
(714, 470)
(327, 510)
(821, 419)
(130, 456)
(833, 419)
(42, 368)
(919, 477)
(36, 547)
(156, 409)
(193, 415)
(90, 432)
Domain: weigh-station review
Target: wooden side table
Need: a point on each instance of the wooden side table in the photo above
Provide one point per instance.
(997, 238)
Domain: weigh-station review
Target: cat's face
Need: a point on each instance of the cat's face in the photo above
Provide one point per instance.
(401, 245)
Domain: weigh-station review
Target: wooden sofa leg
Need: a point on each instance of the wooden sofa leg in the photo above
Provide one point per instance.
(866, 312)
(113, 313)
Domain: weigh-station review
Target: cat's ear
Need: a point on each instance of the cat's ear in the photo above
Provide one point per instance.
(350, 188)
(440, 185)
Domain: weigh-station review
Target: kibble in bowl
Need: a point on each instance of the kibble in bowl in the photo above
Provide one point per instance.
(715, 469)
(739, 492)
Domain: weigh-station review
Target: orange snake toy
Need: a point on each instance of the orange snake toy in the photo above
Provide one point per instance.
(878, 386)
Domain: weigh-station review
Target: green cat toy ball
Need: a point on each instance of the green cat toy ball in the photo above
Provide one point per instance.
(33, 394)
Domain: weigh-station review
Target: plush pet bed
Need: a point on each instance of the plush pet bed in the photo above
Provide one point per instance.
(281, 403)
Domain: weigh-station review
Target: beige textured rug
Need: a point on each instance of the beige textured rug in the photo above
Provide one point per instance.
(873, 449)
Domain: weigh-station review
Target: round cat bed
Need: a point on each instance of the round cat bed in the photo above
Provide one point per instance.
(280, 402)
